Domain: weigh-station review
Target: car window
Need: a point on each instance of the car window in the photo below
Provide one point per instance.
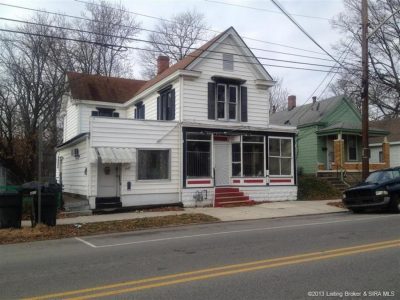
(380, 176)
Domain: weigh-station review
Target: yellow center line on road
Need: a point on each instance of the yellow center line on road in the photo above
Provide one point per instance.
(218, 271)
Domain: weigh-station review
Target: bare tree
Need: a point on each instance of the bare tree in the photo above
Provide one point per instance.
(278, 97)
(175, 38)
(32, 86)
(384, 56)
(110, 29)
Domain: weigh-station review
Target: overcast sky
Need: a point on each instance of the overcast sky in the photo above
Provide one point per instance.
(262, 23)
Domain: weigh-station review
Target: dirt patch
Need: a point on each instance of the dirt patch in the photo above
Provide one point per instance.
(43, 232)
(336, 204)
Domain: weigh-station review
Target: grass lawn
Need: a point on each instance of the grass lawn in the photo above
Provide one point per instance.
(313, 188)
(43, 232)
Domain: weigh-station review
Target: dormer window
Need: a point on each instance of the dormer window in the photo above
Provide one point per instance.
(227, 62)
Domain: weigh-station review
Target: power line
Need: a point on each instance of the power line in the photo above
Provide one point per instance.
(303, 30)
(155, 31)
(137, 48)
(158, 43)
(267, 10)
(211, 30)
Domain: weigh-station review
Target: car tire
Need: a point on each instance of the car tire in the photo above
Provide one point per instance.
(394, 204)
(356, 210)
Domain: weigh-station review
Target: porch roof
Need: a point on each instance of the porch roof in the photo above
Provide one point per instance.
(115, 155)
(350, 128)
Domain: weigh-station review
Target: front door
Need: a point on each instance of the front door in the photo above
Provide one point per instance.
(222, 162)
(108, 180)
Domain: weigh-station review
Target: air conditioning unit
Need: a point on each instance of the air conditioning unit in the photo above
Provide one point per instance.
(75, 153)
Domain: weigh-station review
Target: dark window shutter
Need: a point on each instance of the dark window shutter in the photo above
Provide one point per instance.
(211, 100)
(243, 103)
(135, 113)
(172, 106)
(158, 108)
(115, 115)
(95, 113)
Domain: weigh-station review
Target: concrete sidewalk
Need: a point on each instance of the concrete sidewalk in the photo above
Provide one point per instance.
(260, 211)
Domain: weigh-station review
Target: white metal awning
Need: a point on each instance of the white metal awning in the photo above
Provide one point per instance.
(115, 155)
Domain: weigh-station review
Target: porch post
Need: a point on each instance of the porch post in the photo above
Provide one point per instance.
(386, 152)
(338, 148)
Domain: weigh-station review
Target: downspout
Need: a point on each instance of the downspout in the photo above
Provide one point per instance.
(88, 168)
(180, 139)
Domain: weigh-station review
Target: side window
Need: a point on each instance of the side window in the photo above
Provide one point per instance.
(105, 112)
(140, 111)
(166, 105)
(280, 156)
(153, 164)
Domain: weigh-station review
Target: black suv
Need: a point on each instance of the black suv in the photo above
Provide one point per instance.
(380, 190)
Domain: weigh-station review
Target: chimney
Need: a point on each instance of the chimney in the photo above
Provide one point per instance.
(314, 99)
(291, 102)
(162, 64)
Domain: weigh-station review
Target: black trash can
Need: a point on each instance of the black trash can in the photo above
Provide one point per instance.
(10, 209)
(49, 203)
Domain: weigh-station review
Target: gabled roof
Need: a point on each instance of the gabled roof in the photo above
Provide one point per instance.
(306, 114)
(102, 88)
(120, 90)
(180, 65)
(390, 125)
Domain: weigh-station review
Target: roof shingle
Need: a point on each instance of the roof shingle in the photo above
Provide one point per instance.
(102, 88)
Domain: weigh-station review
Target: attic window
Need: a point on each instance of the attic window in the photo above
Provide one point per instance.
(227, 64)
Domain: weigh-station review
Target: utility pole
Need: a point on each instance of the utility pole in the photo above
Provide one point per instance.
(40, 158)
(364, 92)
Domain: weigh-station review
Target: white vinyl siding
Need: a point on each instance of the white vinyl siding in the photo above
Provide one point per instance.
(86, 113)
(71, 121)
(140, 134)
(150, 103)
(74, 179)
(195, 91)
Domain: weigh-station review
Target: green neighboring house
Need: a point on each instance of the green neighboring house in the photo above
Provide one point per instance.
(329, 135)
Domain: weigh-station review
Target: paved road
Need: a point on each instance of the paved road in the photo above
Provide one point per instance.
(314, 257)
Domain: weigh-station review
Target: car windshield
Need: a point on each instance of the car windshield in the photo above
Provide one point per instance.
(382, 176)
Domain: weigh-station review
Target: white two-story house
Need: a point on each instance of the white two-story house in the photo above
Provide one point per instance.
(197, 134)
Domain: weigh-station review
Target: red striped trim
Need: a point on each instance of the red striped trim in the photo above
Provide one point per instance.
(236, 180)
(253, 180)
(198, 181)
(220, 138)
(281, 180)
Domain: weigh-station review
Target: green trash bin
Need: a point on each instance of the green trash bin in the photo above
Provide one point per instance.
(48, 210)
(10, 209)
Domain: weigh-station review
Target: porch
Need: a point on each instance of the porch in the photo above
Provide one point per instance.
(340, 150)
(217, 158)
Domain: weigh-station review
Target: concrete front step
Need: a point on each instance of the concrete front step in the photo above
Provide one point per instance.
(77, 208)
